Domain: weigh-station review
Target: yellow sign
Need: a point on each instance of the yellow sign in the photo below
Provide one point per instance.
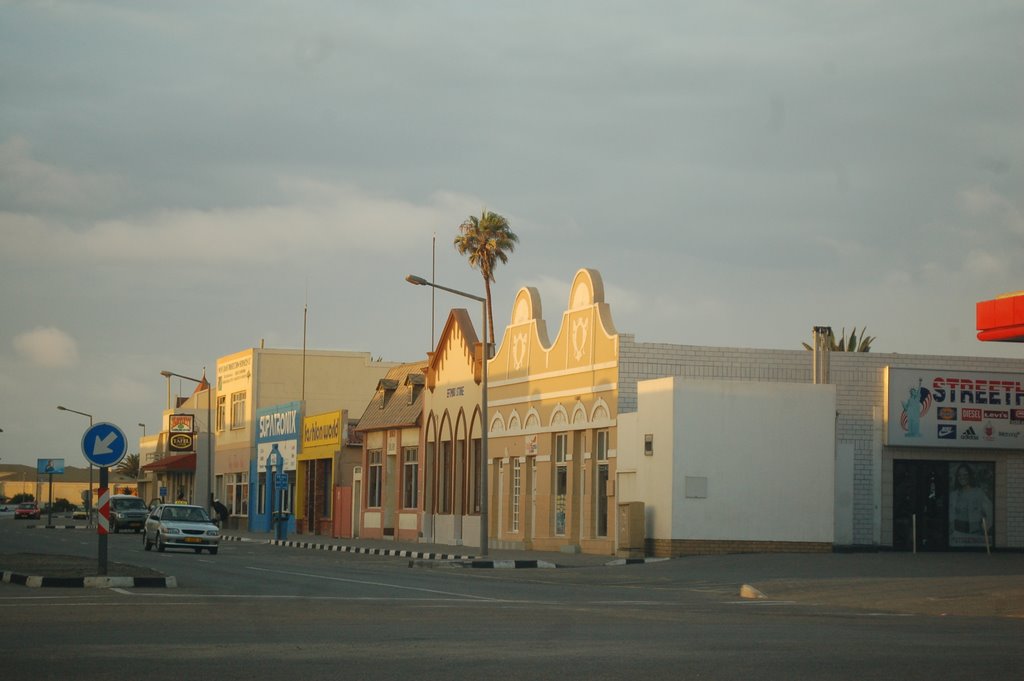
(321, 429)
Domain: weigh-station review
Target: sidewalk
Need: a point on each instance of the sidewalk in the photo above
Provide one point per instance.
(470, 555)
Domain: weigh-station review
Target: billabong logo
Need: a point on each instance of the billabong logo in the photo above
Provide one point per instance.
(969, 434)
(947, 432)
(946, 413)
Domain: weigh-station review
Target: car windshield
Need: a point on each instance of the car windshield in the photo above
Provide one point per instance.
(186, 514)
(129, 504)
(26, 505)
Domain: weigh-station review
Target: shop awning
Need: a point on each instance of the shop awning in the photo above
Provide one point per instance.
(1001, 319)
(174, 462)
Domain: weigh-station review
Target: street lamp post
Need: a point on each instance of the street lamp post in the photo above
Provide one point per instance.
(209, 432)
(88, 497)
(143, 426)
(420, 281)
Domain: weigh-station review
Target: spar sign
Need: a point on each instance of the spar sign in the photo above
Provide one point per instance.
(962, 409)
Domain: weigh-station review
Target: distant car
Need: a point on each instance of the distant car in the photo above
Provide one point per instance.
(28, 510)
(127, 512)
(79, 513)
(180, 526)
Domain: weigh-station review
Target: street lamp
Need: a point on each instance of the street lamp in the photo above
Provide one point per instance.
(143, 426)
(88, 497)
(420, 281)
(209, 431)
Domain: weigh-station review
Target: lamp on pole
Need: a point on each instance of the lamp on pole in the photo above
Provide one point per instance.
(420, 281)
(143, 426)
(209, 431)
(88, 497)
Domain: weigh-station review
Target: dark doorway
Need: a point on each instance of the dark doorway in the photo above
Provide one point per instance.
(920, 505)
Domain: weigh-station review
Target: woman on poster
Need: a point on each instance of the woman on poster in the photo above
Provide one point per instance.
(970, 510)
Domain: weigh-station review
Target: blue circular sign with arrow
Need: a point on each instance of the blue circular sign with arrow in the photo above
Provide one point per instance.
(104, 444)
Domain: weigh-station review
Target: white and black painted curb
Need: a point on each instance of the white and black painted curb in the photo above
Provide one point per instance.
(397, 553)
(97, 582)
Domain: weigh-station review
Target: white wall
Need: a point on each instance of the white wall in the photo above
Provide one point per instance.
(765, 450)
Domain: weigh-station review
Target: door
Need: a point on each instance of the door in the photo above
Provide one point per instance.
(920, 505)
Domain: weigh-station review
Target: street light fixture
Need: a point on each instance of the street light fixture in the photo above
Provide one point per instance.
(209, 430)
(88, 497)
(143, 426)
(420, 281)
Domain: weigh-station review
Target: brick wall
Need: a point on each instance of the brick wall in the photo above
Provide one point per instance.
(858, 378)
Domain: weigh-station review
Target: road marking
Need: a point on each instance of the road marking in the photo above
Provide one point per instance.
(365, 583)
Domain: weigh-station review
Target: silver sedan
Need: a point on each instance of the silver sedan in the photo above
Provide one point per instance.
(180, 526)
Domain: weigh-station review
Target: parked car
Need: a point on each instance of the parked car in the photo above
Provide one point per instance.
(28, 510)
(79, 513)
(127, 512)
(180, 526)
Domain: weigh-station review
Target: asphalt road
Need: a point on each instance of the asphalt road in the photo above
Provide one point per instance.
(261, 612)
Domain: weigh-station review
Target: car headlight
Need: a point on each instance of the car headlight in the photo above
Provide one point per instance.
(212, 533)
(172, 530)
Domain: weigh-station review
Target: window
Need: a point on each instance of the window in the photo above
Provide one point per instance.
(445, 482)
(238, 493)
(238, 410)
(516, 488)
(561, 481)
(473, 493)
(374, 485)
(410, 477)
(601, 478)
(221, 412)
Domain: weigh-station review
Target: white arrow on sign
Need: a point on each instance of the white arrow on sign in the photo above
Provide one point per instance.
(103, 446)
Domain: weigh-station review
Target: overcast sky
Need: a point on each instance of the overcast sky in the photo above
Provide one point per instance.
(178, 179)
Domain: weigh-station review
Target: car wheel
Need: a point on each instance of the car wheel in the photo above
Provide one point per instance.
(213, 552)
(146, 544)
(160, 544)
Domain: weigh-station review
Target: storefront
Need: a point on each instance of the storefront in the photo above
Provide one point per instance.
(951, 439)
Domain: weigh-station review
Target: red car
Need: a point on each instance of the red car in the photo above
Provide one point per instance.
(27, 509)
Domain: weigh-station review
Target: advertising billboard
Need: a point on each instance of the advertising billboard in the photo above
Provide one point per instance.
(964, 409)
(278, 425)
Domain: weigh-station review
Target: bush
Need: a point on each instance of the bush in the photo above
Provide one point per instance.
(20, 497)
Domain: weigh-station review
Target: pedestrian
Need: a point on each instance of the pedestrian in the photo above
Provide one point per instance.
(222, 512)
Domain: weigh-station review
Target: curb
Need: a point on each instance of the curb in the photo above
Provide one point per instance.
(98, 582)
(636, 561)
(396, 553)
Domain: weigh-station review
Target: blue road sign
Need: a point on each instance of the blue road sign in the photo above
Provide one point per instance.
(280, 480)
(104, 444)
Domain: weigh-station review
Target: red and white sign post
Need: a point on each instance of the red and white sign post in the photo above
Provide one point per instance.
(103, 524)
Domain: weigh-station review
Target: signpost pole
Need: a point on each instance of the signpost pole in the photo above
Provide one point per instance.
(104, 522)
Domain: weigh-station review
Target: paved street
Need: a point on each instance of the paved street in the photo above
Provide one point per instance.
(259, 611)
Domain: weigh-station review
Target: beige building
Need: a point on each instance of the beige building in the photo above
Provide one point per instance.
(257, 378)
(552, 409)
(391, 482)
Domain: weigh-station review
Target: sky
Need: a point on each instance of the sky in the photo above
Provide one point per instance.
(178, 181)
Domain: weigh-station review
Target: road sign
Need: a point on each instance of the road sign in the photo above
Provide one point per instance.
(280, 481)
(104, 444)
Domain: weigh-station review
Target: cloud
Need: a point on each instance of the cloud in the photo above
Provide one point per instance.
(982, 202)
(47, 347)
(315, 219)
(29, 184)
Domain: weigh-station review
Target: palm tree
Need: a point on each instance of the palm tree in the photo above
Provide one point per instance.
(129, 466)
(486, 241)
(844, 345)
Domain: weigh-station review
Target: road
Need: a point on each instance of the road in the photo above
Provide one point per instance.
(260, 612)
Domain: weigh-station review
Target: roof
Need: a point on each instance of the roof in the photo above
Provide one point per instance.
(1001, 319)
(390, 406)
(174, 462)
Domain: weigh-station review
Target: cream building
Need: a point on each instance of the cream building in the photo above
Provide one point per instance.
(257, 378)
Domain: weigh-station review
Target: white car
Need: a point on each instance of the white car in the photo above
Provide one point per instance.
(180, 526)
